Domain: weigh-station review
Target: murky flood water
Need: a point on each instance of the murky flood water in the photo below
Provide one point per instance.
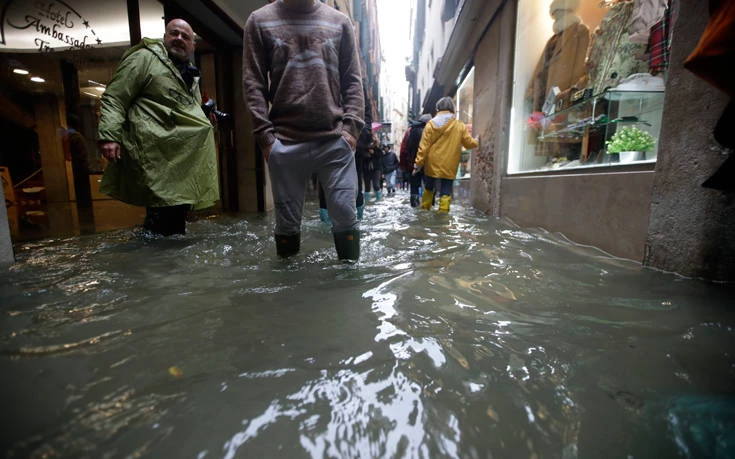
(455, 336)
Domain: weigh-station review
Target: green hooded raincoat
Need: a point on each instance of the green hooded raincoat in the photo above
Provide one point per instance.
(168, 149)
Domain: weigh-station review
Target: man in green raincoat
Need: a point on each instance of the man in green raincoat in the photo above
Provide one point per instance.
(153, 130)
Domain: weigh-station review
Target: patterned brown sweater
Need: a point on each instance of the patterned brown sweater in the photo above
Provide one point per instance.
(304, 67)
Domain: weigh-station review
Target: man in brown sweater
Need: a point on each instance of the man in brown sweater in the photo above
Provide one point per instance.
(302, 85)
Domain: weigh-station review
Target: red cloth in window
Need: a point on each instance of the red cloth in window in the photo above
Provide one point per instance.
(659, 45)
(712, 59)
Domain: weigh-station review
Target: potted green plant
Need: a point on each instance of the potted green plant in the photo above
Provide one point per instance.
(630, 143)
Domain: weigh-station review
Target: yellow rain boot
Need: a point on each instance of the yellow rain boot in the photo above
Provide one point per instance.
(427, 200)
(444, 203)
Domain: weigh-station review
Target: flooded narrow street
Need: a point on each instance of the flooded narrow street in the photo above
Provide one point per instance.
(455, 335)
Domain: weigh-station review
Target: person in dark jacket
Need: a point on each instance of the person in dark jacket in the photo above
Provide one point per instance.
(371, 170)
(389, 166)
(409, 148)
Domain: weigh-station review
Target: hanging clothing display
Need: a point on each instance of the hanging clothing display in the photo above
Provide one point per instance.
(612, 56)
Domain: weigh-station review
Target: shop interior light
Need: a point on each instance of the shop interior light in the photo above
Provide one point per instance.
(18, 67)
(95, 89)
(37, 79)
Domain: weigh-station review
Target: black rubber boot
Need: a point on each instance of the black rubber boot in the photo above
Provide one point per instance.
(166, 220)
(347, 244)
(415, 200)
(287, 245)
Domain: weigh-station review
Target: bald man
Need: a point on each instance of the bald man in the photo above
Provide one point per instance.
(158, 141)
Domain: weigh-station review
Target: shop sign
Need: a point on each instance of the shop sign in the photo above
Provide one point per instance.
(45, 25)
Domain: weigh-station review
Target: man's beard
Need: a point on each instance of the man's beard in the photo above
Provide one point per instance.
(181, 56)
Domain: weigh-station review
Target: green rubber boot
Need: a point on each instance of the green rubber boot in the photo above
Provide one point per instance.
(347, 244)
(287, 245)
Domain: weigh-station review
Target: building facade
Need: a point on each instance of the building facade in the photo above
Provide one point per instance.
(560, 89)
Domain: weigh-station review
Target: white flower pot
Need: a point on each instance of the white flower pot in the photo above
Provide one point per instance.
(630, 156)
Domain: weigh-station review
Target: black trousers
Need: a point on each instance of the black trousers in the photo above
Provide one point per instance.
(371, 179)
(166, 220)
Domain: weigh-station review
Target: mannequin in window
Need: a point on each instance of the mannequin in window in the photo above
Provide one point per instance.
(562, 60)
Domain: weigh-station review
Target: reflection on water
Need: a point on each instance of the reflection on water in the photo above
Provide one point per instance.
(455, 336)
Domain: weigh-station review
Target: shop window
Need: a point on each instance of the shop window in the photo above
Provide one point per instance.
(464, 105)
(57, 58)
(588, 83)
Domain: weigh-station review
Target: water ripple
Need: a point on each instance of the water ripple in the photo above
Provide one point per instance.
(456, 335)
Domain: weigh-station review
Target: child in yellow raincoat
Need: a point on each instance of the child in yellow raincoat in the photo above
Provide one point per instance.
(439, 153)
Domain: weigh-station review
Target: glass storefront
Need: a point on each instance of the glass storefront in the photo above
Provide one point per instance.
(588, 83)
(57, 57)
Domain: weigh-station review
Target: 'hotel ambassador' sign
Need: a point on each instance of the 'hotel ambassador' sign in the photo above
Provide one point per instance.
(46, 25)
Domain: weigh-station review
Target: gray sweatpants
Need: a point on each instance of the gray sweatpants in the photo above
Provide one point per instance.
(291, 166)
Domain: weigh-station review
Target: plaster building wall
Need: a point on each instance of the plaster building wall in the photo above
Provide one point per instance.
(436, 36)
(493, 81)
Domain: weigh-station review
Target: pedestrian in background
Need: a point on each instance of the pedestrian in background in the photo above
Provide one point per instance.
(409, 148)
(371, 168)
(389, 166)
(152, 130)
(404, 178)
(302, 85)
(439, 153)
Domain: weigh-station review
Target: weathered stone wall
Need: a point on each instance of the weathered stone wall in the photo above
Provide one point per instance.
(492, 103)
(691, 229)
